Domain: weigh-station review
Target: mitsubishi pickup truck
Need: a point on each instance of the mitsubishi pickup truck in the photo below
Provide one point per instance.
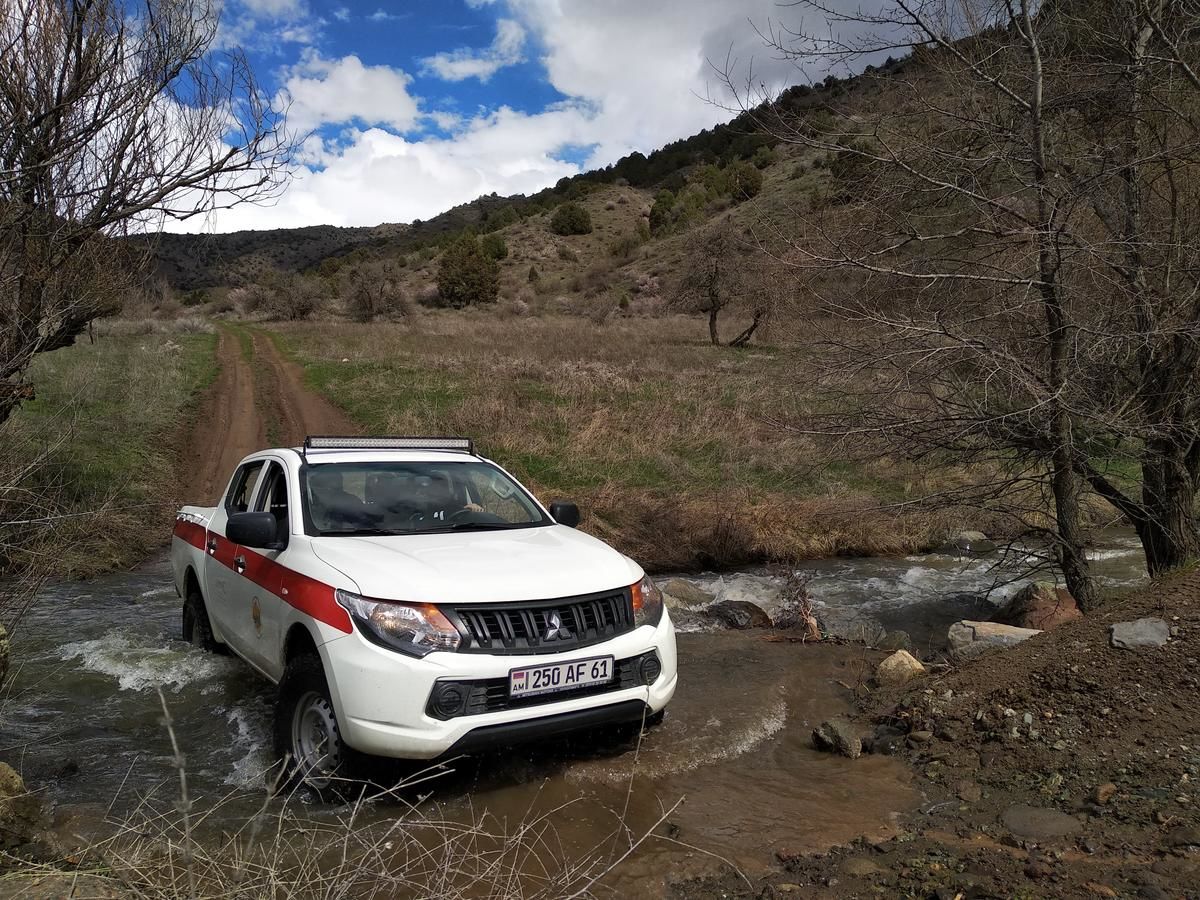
(410, 599)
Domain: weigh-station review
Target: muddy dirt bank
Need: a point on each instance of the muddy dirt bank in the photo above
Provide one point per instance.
(1063, 767)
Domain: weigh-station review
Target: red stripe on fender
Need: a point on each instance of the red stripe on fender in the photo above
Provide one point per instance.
(191, 532)
(312, 597)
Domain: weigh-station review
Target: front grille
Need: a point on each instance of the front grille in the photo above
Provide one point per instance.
(485, 695)
(544, 626)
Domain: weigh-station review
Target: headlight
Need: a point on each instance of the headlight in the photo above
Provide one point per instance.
(647, 603)
(413, 628)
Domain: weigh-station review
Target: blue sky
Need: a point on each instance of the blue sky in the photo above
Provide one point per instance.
(416, 106)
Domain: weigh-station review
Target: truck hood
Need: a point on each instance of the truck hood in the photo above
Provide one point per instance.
(478, 566)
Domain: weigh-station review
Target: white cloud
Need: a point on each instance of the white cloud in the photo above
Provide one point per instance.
(320, 91)
(635, 74)
(264, 25)
(342, 14)
(381, 177)
(464, 63)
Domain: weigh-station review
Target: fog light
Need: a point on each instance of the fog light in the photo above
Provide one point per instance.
(448, 700)
(650, 668)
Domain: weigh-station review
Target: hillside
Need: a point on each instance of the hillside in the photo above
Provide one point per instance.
(618, 197)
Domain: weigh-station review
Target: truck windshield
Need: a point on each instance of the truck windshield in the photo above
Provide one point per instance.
(410, 497)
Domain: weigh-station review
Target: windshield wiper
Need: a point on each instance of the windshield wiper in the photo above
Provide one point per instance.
(365, 532)
(470, 526)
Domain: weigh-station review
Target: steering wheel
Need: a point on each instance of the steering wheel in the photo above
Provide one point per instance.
(458, 514)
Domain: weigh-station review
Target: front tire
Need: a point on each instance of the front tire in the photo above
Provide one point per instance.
(197, 629)
(307, 736)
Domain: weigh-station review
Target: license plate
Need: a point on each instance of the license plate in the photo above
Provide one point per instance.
(547, 679)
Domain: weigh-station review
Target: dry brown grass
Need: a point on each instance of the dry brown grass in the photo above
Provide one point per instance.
(664, 440)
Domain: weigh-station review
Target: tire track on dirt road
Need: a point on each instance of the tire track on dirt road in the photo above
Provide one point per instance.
(292, 410)
(251, 403)
(227, 426)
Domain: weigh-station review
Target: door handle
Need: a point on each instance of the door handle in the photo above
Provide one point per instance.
(239, 563)
(211, 546)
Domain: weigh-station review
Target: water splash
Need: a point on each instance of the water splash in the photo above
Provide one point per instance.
(142, 663)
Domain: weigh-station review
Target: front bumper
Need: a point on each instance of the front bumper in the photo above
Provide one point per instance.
(380, 696)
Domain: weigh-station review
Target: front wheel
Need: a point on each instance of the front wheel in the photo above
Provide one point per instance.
(307, 736)
(197, 629)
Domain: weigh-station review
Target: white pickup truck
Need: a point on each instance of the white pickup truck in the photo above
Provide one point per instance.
(411, 599)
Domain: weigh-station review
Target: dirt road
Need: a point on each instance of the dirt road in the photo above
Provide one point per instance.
(255, 402)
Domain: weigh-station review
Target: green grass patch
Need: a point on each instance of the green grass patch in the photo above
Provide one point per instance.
(100, 440)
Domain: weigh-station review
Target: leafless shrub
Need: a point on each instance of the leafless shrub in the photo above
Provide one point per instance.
(796, 604)
(284, 852)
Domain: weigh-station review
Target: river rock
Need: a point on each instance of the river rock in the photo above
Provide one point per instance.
(21, 819)
(1035, 823)
(838, 736)
(886, 741)
(1041, 606)
(686, 593)
(1140, 634)
(969, 639)
(972, 542)
(761, 591)
(738, 614)
(899, 668)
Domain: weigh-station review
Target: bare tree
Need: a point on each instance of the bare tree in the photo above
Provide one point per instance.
(725, 269)
(1010, 267)
(114, 115)
(375, 289)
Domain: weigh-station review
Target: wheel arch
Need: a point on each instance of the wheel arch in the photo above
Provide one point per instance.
(298, 642)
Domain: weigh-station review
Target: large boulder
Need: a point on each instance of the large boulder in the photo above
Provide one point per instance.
(1140, 634)
(686, 593)
(1041, 606)
(738, 614)
(762, 591)
(898, 669)
(969, 639)
(838, 736)
(21, 817)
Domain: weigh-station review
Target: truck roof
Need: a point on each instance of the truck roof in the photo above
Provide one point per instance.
(371, 454)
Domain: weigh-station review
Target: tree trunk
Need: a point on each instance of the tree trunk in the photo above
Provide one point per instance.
(1168, 532)
(1071, 556)
(713, 312)
(744, 338)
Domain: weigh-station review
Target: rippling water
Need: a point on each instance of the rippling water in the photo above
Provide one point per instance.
(734, 746)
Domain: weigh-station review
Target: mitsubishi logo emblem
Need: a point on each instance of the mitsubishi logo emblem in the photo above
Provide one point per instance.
(555, 629)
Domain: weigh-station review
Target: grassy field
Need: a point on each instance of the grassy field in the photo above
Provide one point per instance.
(664, 440)
(96, 449)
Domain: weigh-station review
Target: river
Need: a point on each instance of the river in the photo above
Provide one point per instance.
(82, 722)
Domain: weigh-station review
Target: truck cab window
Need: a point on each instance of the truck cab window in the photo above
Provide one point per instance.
(242, 488)
(274, 496)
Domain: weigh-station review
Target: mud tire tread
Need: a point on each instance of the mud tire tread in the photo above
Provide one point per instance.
(303, 675)
(197, 629)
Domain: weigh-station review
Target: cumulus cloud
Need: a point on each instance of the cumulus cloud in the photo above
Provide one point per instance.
(635, 76)
(464, 63)
(320, 91)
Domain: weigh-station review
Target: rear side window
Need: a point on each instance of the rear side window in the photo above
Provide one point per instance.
(274, 497)
(242, 488)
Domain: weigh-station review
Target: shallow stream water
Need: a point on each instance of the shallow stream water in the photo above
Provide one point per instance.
(83, 722)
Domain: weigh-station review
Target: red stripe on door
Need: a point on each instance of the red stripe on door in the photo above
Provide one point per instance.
(311, 597)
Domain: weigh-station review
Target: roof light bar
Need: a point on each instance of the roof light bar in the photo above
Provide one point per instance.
(335, 442)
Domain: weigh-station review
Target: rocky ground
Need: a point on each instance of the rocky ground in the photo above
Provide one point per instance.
(1062, 766)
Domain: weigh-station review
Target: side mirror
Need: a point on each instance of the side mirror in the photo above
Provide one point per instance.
(564, 512)
(254, 529)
